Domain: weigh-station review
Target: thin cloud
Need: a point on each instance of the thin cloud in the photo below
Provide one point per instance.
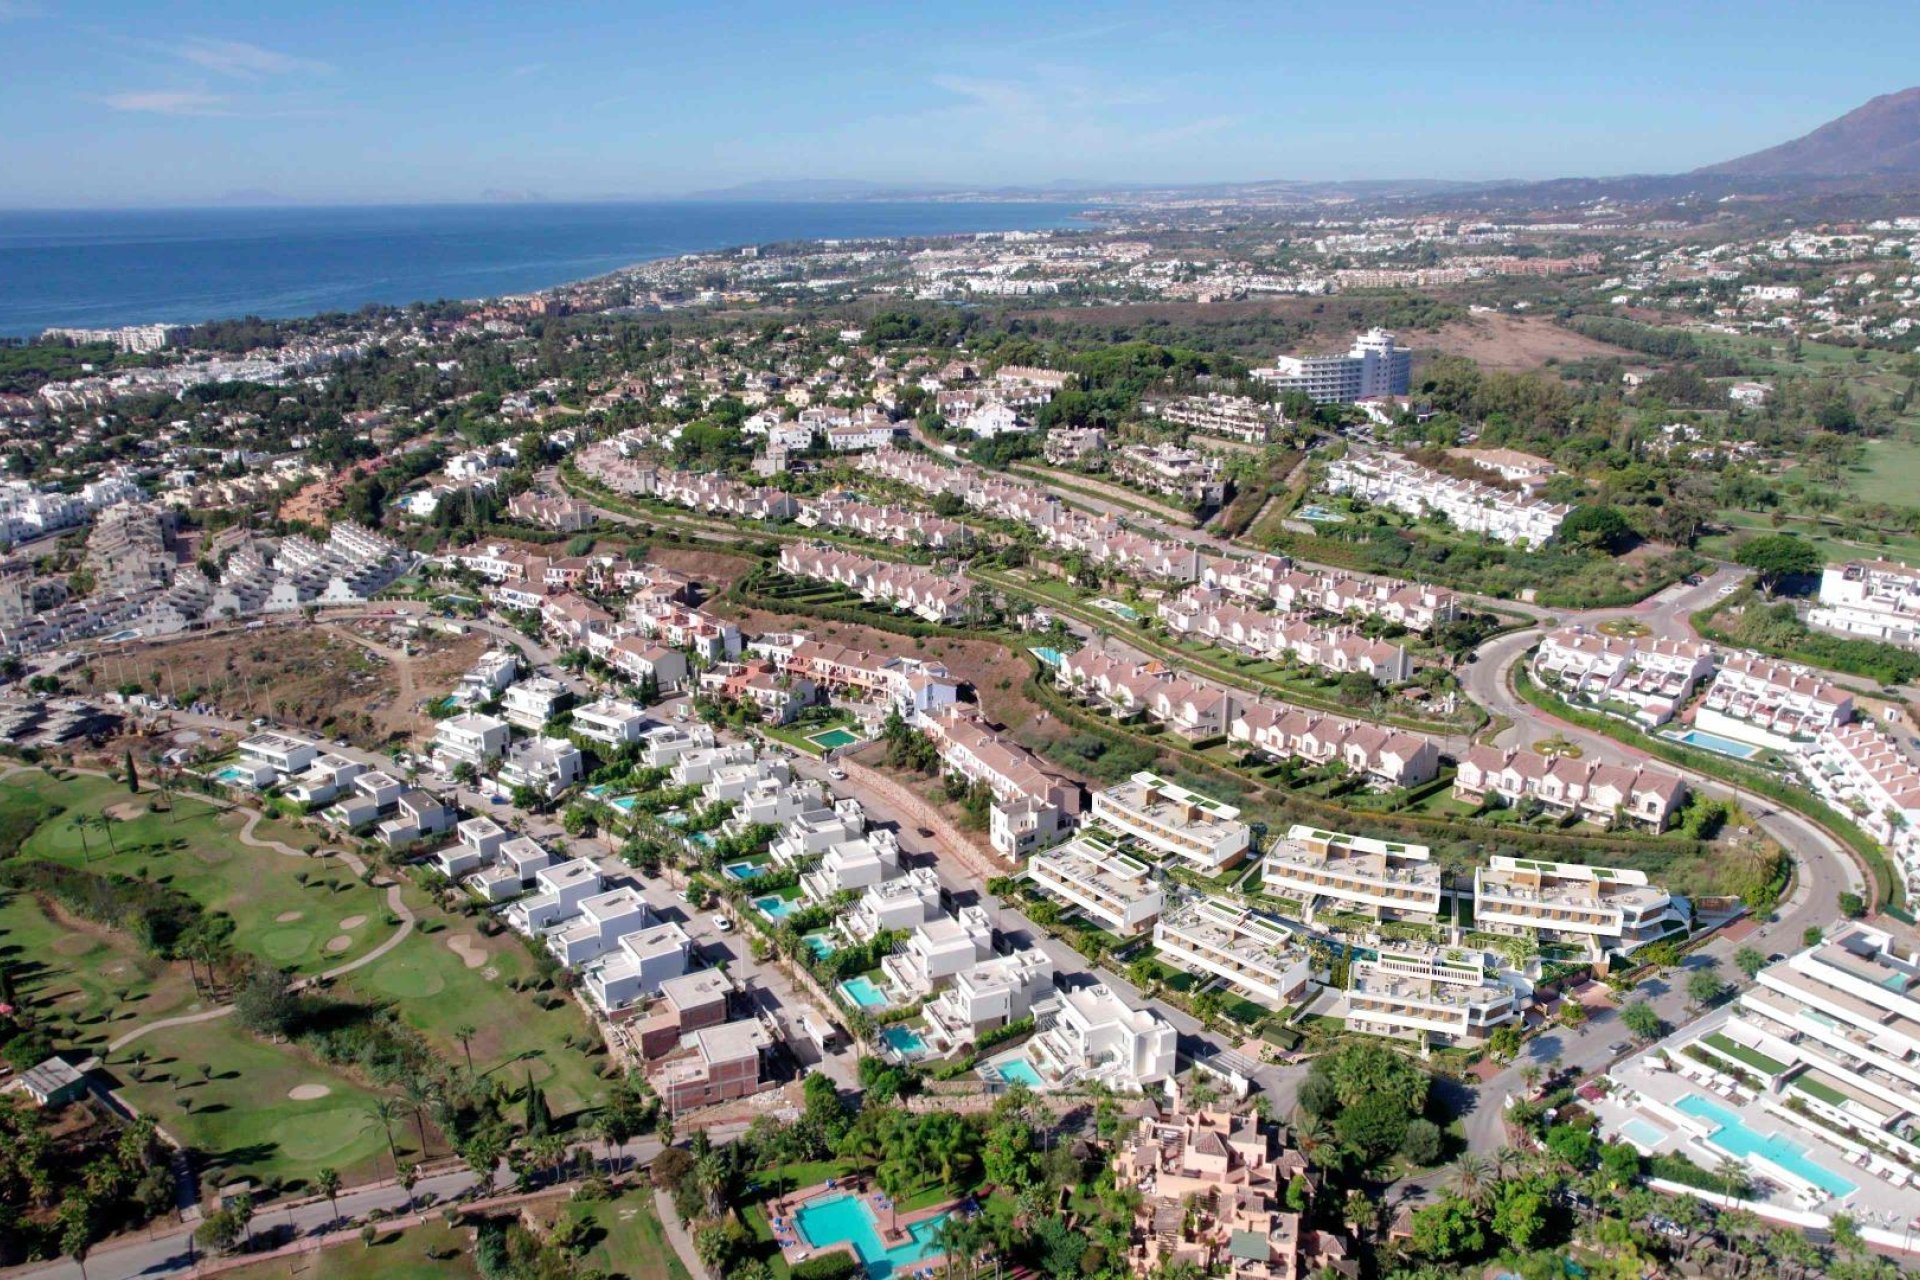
(168, 102)
(244, 61)
(14, 10)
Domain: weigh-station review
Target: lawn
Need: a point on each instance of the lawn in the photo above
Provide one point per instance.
(1890, 472)
(242, 1118)
(628, 1239)
(394, 1256)
(434, 989)
(799, 734)
(305, 928)
(84, 976)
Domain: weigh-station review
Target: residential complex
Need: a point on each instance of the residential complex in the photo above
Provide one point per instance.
(1388, 480)
(1645, 677)
(1431, 995)
(1091, 873)
(1599, 793)
(1878, 599)
(1255, 956)
(1375, 365)
(1175, 822)
(1595, 910)
(1327, 871)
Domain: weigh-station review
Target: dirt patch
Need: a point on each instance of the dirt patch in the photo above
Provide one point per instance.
(338, 943)
(468, 948)
(126, 810)
(352, 922)
(288, 917)
(1517, 342)
(715, 571)
(308, 1092)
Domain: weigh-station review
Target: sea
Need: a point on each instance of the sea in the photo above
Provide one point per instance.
(102, 269)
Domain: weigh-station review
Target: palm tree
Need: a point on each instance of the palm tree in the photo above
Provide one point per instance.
(103, 823)
(419, 1096)
(328, 1183)
(82, 824)
(1470, 1177)
(960, 1239)
(382, 1112)
(409, 1177)
(465, 1033)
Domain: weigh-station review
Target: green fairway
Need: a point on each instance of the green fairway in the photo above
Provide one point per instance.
(1890, 473)
(197, 851)
(433, 989)
(394, 1256)
(628, 1239)
(89, 981)
(242, 1117)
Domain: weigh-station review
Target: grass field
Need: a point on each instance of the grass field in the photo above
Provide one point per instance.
(1890, 472)
(398, 1255)
(196, 850)
(91, 982)
(628, 1239)
(241, 1117)
(433, 990)
(1834, 539)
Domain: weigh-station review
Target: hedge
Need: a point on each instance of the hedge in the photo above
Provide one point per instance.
(1887, 887)
(827, 1266)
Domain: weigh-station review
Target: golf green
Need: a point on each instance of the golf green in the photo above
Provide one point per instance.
(286, 944)
(407, 979)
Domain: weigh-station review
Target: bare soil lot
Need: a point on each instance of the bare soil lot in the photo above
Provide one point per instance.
(1514, 343)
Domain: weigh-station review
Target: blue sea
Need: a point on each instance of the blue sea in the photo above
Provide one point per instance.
(99, 269)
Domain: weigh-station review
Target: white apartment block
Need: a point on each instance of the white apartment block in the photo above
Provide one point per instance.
(1097, 1036)
(1256, 956)
(1874, 598)
(1186, 474)
(1403, 485)
(469, 738)
(1205, 614)
(1176, 822)
(1375, 365)
(1600, 909)
(1431, 995)
(986, 996)
(1649, 674)
(531, 703)
(1237, 417)
(1089, 872)
(1327, 870)
(1776, 704)
(611, 722)
(1866, 773)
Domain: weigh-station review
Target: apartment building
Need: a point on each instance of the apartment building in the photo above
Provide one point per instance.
(1032, 807)
(1256, 956)
(1375, 365)
(913, 686)
(611, 722)
(566, 515)
(1090, 872)
(1599, 909)
(929, 594)
(1187, 474)
(1878, 599)
(1389, 480)
(1236, 417)
(1175, 821)
(985, 996)
(1867, 773)
(1649, 677)
(1526, 472)
(1330, 871)
(1097, 1036)
(469, 738)
(1205, 614)
(1598, 793)
(713, 1064)
(531, 703)
(1434, 996)
(1775, 704)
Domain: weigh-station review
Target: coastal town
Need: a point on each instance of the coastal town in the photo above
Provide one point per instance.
(1321, 742)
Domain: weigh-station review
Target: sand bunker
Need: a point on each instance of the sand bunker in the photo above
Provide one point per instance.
(468, 948)
(353, 922)
(126, 810)
(288, 917)
(308, 1092)
(338, 943)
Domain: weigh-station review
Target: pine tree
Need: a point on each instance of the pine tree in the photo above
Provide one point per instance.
(539, 1118)
(133, 774)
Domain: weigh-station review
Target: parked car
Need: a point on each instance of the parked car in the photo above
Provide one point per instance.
(722, 923)
(838, 775)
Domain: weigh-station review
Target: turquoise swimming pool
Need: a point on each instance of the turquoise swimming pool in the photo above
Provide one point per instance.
(743, 870)
(235, 774)
(1051, 656)
(1643, 1133)
(904, 1041)
(1117, 608)
(773, 907)
(1733, 1137)
(833, 738)
(1715, 743)
(849, 1219)
(1320, 515)
(820, 944)
(1014, 1069)
(863, 993)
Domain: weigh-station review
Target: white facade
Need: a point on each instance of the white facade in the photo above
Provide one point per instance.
(1175, 821)
(1088, 872)
(1384, 879)
(1256, 956)
(1097, 1036)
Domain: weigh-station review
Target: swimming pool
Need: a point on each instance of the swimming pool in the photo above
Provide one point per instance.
(773, 907)
(1014, 1069)
(743, 870)
(1052, 657)
(904, 1041)
(1116, 608)
(624, 803)
(820, 944)
(234, 773)
(863, 993)
(849, 1219)
(1643, 1134)
(1320, 515)
(833, 738)
(1733, 1136)
(1715, 743)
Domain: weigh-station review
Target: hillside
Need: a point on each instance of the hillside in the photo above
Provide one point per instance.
(1881, 137)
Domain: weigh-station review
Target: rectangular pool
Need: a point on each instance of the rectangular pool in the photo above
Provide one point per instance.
(849, 1219)
(743, 870)
(1715, 743)
(904, 1041)
(1733, 1136)
(863, 993)
(833, 738)
(1014, 1069)
(820, 944)
(1052, 657)
(1643, 1133)
(773, 907)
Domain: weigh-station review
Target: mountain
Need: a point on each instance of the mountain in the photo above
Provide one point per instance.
(1882, 137)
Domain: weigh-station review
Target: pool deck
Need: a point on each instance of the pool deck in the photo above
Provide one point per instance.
(893, 1231)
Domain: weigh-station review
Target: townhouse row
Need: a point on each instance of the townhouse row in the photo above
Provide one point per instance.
(1389, 480)
(931, 594)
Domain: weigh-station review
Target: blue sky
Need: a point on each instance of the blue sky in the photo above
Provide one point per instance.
(125, 104)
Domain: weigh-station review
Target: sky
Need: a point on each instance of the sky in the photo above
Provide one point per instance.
(156, 103)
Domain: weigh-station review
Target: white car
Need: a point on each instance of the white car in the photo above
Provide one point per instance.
(838, 775)
(722, 923)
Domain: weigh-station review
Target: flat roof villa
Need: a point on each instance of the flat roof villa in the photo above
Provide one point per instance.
(1175, 821)
(1812, 1080)
(612, 722)
(1432, 995)
(988, 995)
(1098, 1036)
(1598, 908)
(469, 738)
(1383, 879)
(1091, 873)
(1256, 956)
(279, 751)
